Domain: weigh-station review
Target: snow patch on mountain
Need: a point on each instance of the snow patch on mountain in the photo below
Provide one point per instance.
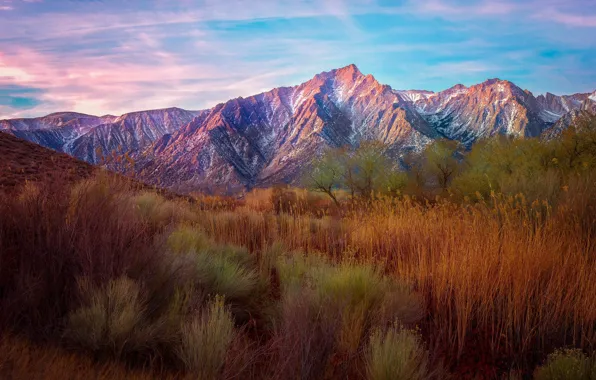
(414, 95)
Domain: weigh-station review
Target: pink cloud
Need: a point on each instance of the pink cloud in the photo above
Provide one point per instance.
(117, 84)
(462, 67)
(95, 84)
(568, 18)
(454, 9)
(138, 71)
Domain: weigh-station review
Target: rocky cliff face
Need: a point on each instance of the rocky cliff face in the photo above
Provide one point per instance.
(127, 133)
(493, 107)
(92, 138)
(587, 105)
(54, 130)
(272, 137)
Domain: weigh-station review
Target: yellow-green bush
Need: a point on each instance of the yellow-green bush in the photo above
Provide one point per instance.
(339, 304)
(154, 209)
(571, 364)
(397, 354)
(205, 340)
(109, 317)
(365, 298)
(223, 275)
(185, 239)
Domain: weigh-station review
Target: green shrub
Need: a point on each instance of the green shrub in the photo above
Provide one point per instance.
(109, 317)
(352, 284)
(221, 275)
(397, 354)
(354, 297)
(569, 364)
(205, 341)
(295, 269)
(232, 272)
(364, 298)
(153, 208)
(185, 239)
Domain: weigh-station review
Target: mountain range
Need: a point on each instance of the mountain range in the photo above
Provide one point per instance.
(271, 137)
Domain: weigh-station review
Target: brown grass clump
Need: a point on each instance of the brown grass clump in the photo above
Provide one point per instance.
(22, 359)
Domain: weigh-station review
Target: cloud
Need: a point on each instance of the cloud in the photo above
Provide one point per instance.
(113, 57)
(140, 74)
(484, 8)
(570, 12)
(88, 21)
(574, 20)
(114, 63)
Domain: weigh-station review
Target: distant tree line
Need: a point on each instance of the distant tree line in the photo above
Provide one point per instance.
(537, 168)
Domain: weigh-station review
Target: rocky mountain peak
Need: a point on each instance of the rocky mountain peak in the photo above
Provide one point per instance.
(350, 70)
(499, 85)
(348, 74)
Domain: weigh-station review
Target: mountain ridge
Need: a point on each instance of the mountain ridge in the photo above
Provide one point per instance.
(272, 136)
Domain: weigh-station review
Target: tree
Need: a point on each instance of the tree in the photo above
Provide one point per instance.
(576, 147)
(326, 175)
(368, 167)
(394, 183)
(363, 171)
(441, 161)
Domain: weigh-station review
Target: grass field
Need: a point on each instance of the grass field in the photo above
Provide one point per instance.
(106, 273)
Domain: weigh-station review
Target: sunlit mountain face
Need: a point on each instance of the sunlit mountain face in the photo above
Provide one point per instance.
(229, 92)
(269, 138)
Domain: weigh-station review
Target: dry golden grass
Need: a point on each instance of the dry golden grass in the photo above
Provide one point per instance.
(20, 359)
(501, 282)
(518, 278)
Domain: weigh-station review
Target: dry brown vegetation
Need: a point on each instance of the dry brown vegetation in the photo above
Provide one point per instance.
(114, 281)
(492, 285)
(22, 161)
(22, 360)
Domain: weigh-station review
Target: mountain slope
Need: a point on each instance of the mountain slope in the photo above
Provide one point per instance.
(468, 113)
(268, 137)
(91, 138)
(127, 133)
(586, 106)
(22, 161)
(273, 136)
(54, 130)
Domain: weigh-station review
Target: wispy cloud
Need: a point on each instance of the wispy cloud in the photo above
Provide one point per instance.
(574, 20)
(483, 8)
(112, 57)
(450, 68)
